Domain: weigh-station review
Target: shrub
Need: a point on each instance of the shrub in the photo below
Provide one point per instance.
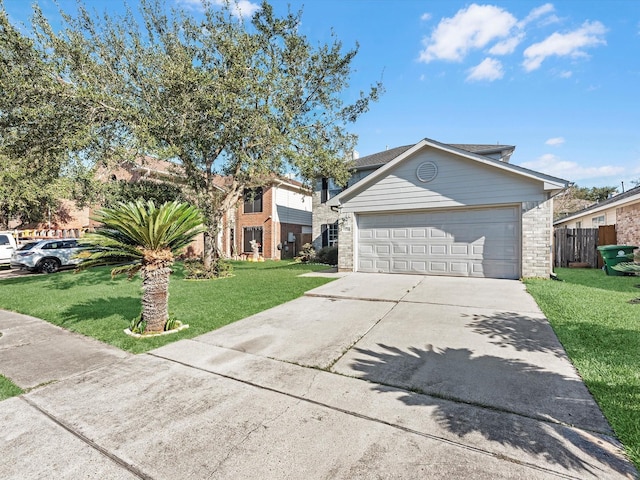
(328, 255)
(195, 269)
(307, 254)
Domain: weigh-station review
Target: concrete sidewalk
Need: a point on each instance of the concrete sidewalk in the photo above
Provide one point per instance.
(370, 376)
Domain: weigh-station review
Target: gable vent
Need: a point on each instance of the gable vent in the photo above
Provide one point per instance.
(427, 171)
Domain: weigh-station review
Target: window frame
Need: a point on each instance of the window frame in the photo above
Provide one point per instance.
(329, 234)
(246, 247)
(253, 200)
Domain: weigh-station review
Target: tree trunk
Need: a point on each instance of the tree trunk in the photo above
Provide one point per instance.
(155, 298)
(211, 250)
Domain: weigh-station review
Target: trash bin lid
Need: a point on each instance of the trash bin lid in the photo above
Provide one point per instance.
(616, 247)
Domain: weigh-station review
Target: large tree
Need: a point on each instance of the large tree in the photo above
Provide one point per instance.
(221, 95)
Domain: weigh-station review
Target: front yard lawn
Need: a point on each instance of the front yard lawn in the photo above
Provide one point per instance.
(93, 304)
(600, 331)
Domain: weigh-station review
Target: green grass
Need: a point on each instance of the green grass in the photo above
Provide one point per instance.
(8, 388)
(600, 331)
(93, 304)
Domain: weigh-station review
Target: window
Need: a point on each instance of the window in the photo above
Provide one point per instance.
(60, 244)
(4, 240)
(578, 224)
(329, 234)
(252, 233)
(253, 200)
(329, 189)
(600, 220)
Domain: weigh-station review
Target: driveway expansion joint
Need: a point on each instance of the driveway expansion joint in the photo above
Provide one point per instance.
(301, 398)
(83, 438)
(340, 297)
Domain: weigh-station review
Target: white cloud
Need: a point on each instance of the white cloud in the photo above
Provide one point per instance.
(566, 74)
(552, 165)
(425, 16)
(537, 13)
(507, 46)
(489, 69)
(239, 8)
(572, 44)
(555, 141)
(471, 28)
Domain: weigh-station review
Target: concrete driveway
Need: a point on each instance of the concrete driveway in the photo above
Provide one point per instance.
(370, 376)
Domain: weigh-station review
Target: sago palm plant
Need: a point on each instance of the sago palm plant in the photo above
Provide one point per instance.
(143, 238)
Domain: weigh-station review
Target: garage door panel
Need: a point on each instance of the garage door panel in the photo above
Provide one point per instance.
(366, 249)
(383, 265)
(418, 267)
(437, 233)
(461, 268)
(366, 264)
(477, 242)
(438, 267)
(400, 249)
(400, 265)
(383, 249)
(418, 249)
(460, 250)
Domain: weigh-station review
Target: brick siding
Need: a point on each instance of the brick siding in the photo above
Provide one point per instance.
(537, 238)
(260, 219)
(345, 242)
(628, 225)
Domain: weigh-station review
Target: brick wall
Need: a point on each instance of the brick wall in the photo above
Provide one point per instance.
(628, 225)
(537, 238)
(346, 224)
(260, 219)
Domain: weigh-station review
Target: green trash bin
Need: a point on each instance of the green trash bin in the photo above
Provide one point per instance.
(615, 254)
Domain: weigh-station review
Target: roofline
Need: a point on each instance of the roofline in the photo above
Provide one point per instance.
(302, 188)
(598, 207)
(550, 183)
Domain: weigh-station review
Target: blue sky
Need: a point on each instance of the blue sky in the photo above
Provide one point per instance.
(559, 80)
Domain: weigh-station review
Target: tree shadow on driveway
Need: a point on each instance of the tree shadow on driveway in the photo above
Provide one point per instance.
(457, 385)
(523, 333)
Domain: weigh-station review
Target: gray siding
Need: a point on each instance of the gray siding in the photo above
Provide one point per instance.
(460, 182)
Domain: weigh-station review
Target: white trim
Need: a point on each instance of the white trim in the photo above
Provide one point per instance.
(550, 183)
(589, 211)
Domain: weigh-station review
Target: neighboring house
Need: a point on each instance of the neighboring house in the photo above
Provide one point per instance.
(439, 209)
(277, 216)
(622, 210)
(69, 216)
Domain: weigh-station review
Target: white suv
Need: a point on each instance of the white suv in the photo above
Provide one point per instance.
(7, 246)
(47, 256)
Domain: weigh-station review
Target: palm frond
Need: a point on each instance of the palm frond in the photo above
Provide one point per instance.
(130, 270)
(130, 228)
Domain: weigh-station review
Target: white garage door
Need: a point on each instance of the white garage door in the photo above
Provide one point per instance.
(470, 243)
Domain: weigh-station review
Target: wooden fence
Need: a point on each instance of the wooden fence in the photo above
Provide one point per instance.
(580, 245)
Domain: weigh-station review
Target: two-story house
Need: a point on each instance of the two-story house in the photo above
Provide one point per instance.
(277, 216)
(439, 209)
(325, 217)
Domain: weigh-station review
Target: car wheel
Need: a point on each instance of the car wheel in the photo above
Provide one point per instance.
(49, 265)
